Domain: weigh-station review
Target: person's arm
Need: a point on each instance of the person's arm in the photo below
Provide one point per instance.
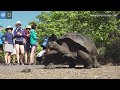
(2, 38)
(18, 34)
(21, 34)
(28, 35)
(15, 34)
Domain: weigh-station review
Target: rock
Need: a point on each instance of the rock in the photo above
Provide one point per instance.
(26, 70)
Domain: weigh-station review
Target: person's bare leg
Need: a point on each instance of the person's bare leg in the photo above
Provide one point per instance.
(25, 57)
(9, 57)
(6, 58)
(17, 52)
(22, 53)
(32, 54)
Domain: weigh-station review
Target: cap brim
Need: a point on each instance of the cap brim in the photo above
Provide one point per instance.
(18, 23)
(28, 27)
(9, 28)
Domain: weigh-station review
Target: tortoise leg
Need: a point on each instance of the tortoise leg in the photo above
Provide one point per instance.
(95, 62)
(72, 63)
(50, 66)
(88, 61)
(49, 59)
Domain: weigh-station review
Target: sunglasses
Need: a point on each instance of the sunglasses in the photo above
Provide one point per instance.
(10, 28)
(27, 28)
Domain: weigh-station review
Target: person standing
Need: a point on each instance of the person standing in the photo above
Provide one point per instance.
(33, 42)
(27, 42)
(14, 50)
(8, 41)
(1, 43)
(19, 36)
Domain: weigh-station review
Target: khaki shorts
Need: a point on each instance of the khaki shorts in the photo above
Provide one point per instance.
(8, 48)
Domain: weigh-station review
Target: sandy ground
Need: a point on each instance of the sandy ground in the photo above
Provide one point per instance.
(37, 72)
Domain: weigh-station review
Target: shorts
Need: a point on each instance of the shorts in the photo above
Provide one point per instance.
(19, 42)
(33, 45)
(27, 47)
(8, 48)
(1, 46)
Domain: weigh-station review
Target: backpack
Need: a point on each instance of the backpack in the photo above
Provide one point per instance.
(45, 42)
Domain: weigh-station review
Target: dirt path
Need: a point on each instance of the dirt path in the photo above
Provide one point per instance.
(37, 72)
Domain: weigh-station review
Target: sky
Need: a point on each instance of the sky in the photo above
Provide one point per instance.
(24, 16)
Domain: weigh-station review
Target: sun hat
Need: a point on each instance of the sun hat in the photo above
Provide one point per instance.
(18, 22)
(9, 27)
(28, 26)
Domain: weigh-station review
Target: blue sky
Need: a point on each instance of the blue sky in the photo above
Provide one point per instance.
(24, 16)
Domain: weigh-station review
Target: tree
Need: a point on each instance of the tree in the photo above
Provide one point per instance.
(94, 24)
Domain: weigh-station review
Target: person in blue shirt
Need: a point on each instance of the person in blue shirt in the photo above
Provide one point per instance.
(1, 43)
(44, 44)
(8, 41)
(19, 36)
(45, 50)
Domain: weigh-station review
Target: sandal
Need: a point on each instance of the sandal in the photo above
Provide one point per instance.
(14, 63)
(32, 63)
(9, 64)
(21, 63)
(26, 63)
(6, 64)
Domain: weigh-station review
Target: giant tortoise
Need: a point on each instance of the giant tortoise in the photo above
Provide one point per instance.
(74, 47)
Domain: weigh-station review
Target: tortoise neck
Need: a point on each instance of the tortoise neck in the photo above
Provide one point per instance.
(59, 48)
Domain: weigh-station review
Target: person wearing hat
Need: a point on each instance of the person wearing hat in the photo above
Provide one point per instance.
(19, 36)
(27, 42)
(1, 43)
(8, 41)
(13, 54)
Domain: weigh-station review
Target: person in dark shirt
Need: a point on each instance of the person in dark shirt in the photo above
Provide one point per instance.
(27, 42)
(8, 41)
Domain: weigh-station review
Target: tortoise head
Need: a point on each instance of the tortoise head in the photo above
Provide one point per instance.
(53, 37)
(52, 44)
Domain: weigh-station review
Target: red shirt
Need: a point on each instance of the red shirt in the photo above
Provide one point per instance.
(27, 38)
